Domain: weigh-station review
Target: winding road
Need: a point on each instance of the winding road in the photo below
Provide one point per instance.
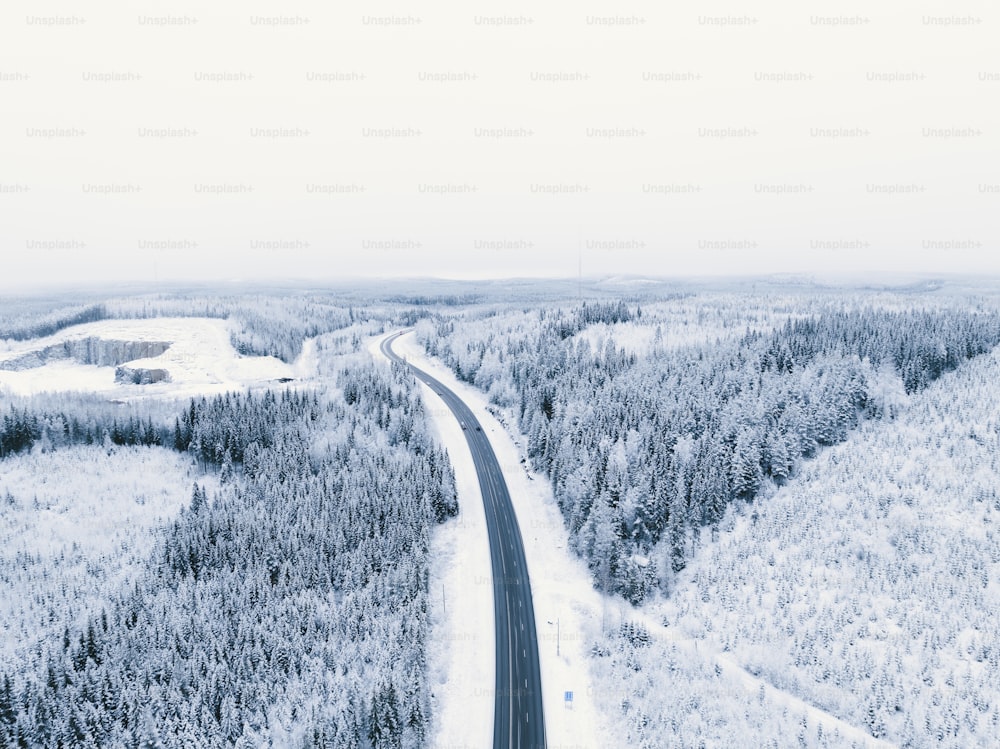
(517, 718)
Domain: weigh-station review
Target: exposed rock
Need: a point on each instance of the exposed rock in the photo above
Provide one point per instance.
(96, 351)
(140, 376)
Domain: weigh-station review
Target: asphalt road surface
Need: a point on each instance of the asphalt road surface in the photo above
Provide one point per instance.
(517, 713)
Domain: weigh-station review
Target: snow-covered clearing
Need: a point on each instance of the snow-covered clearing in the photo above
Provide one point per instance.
(201, 360)
(565, 602)
(76, 525)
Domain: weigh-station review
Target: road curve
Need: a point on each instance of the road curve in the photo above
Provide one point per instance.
(517, 713)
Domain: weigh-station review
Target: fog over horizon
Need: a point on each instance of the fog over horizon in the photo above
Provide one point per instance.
(263, 142)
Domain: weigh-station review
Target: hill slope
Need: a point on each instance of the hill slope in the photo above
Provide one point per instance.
(868, 585)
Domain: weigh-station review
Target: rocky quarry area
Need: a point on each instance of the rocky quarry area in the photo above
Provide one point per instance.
(95, 351)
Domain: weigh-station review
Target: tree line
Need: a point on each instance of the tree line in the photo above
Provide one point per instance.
(29, 326)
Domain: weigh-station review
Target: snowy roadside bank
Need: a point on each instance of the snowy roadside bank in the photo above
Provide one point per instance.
(567, 608)
(461, 649)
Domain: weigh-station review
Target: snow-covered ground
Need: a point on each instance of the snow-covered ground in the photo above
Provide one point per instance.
(76, 525)
(201, 360)
(566, 604)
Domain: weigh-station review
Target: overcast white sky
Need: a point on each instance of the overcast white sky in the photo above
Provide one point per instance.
(254, 140)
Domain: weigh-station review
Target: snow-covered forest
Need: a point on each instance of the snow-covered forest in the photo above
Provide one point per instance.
(271, 589)
(867, 586)
(784, 500)
(646, 450)
(77, 523)
(799, 497)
